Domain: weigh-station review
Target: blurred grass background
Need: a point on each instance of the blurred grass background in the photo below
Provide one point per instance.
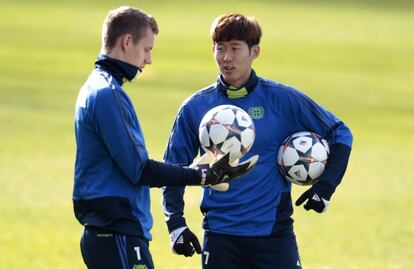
(353, 57)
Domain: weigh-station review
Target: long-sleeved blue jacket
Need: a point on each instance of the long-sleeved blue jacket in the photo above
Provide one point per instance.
(259, 203)
(113, 172)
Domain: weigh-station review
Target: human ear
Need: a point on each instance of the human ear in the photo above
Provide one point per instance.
(255, 51)
(126, 41)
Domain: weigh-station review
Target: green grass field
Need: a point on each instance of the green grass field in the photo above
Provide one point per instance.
(353, 57)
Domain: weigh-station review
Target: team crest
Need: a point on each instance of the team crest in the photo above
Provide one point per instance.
(256, 112)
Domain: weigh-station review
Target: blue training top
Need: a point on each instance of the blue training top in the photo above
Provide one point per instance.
(110, 156)
(258, 204)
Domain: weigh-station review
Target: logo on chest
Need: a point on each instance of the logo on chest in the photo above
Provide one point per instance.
(256, 112)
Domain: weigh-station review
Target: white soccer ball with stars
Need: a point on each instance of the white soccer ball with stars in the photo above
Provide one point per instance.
(302, 157)
(227, 128)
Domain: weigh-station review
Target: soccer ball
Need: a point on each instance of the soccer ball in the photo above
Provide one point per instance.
(227, 128)
(302, 157)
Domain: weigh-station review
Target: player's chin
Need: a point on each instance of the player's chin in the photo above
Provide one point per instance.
(229, 77)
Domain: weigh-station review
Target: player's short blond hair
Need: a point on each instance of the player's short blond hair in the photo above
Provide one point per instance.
(126, 20)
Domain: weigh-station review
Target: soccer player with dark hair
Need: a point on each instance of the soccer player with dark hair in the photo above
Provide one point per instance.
(113, 172)
(250, 225)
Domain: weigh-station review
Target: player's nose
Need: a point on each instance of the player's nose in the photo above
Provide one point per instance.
(227, 56)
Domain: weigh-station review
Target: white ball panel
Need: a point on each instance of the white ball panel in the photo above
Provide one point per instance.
(316, 169)
(293, 180)
(290, 156)
(204, 137)
(319, 152)
(225, 116)
(207, 117)
(218, 133)
(303, 144)
(325, 143)
(247, 137)
(233, 146)
(298, 172)
(243, 119)
(230, 143)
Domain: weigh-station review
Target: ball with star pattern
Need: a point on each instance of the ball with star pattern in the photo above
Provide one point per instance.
(302, 157)
(227, 128)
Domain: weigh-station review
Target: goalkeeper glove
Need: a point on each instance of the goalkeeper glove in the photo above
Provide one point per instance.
(316, 197)
(222, 171)
(184, 242)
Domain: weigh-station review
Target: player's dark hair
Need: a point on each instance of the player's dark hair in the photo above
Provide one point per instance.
(126, 20)
(234, 26)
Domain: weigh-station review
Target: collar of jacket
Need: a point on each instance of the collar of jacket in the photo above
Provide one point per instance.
(232, 92)
(120, 70)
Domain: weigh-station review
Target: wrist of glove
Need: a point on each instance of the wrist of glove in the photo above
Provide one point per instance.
(184, 242)
(316, 197)
(222, 171)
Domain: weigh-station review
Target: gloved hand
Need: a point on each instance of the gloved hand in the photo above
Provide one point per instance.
(184, 242)
(222, 171)
(316, 199)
